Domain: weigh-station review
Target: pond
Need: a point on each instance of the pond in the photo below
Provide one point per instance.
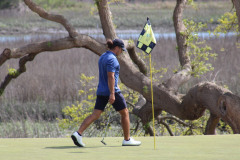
(121, 34)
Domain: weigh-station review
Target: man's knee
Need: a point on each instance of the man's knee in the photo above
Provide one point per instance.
(124, 112)
(95, 115)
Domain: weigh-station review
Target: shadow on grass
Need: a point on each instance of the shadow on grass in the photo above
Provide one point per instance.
(61, 147)
(69, 147)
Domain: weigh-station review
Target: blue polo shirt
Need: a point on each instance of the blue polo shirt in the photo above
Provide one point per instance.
(107, 63)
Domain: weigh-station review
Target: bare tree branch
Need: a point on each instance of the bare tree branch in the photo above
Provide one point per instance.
(161, 119)
(211, 124)
(179, 78)
(168, 128)
(106, 19)
(6, 54)
(52, 17)
(21, 69)
(236, 4)
(184, 75)
(54, 45)
(136, 59)
(149, 130)
(179, 29)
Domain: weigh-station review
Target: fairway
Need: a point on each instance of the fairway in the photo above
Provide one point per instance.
(221, 147)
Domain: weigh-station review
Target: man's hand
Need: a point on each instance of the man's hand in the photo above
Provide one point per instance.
(111, 98)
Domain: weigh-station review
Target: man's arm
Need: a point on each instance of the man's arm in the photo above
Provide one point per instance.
(111, 84)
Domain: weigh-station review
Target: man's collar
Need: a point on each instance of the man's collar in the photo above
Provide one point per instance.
(112, 53)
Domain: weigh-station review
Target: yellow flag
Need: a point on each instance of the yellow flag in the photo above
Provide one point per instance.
(146, 40)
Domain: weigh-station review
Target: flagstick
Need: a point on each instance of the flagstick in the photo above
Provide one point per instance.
(152, 100)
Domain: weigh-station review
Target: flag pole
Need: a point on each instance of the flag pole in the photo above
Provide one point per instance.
(150, 60)
(147, 42)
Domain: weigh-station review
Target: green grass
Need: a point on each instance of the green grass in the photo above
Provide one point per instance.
(169, 148)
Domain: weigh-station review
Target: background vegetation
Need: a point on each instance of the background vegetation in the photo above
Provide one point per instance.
(125, 15)
(32, 104)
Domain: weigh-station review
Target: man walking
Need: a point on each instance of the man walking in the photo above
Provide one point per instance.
(109, 92)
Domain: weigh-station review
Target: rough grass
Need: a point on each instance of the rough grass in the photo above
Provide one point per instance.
(180, 148)
(30, 129)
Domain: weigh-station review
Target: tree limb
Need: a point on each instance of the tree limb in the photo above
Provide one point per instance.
(21, 69)
(136, 59)
(236, 4)
(54, 45)
(6, 54)
(179, 29)
(211, 124)
(184, 75)
(52, 17)
(160, 119)
(168, 128)
(106, 19)
(179, 78)
(29, 51)
(149, 130)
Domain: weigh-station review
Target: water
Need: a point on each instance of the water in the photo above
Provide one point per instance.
(122, 35)
(203, 35)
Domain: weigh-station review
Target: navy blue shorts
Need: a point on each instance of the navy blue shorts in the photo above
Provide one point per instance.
(118, 104)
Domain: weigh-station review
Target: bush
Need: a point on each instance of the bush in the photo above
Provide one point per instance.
(78, 112)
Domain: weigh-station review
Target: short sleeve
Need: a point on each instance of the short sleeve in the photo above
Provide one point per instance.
(111, 65)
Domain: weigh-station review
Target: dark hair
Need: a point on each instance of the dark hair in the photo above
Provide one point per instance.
(110, 44)
(116, 42)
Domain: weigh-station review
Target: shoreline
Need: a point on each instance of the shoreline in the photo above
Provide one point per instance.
(81, 31)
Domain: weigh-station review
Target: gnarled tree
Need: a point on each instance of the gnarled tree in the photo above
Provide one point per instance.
(221, 103)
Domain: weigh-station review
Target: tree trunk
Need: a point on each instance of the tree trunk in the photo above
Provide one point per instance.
(211, 124)
(236, 4)
(106, 19)
(182, 76)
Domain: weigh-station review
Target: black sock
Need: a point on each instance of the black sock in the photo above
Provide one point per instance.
(79, 134)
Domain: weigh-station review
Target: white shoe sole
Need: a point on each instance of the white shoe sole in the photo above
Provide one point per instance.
(75, 141)
(131, 144)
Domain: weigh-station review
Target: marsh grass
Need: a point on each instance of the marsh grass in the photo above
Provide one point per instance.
(125, 16)
(30, 119)
(30, 129)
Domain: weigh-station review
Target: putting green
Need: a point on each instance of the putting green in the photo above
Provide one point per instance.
(220, 147)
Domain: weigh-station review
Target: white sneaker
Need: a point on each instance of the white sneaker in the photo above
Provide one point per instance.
(77, 139)
(131, 142)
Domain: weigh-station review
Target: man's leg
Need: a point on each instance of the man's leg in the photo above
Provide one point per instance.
(126, 129)
(76, 136)
(125, 123)
(89, 120)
